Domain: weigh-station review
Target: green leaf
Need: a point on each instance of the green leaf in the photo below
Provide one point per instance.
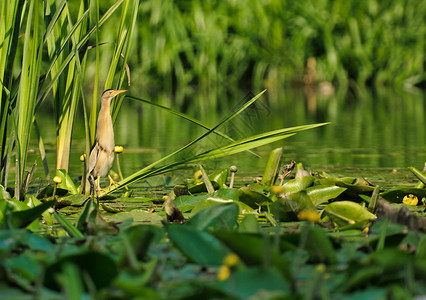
(253, 198)
(199, 246)
(397, 194)
(322, 193)
(254, 249)
(287, 208)
(255, 283)
(67, 183)
(220, 216)
(69, 228)
(25, 216)
(348, 212)
(96, 266)
(272, 167)
(298, 184)
(421, 176)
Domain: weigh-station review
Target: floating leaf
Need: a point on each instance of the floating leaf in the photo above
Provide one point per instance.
(67, 183)
(255, 283)
(252, 197)
(100, 268)
(220, 177)
(288, 207)
(272, 167)
(199, 246)
(298, 184)
(410, 199)
(348, 212)
(397, 194)
(322, 193)
(216, 217)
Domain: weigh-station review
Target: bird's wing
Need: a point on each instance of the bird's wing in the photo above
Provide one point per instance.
(94, 154)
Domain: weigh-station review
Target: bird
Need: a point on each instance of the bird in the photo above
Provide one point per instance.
(101, 156)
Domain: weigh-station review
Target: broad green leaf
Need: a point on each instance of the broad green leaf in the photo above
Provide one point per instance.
(397, 194)
(322, 193)
(348, 212)
(255, 283)
(287, 208)
(298, 184)
(25, 215)
(220, 216)
(254, 249)
(220, 176)
(199, 246)
(67, 183)
(253, 198)
(69, 228)
(272, 167)
(99, 268)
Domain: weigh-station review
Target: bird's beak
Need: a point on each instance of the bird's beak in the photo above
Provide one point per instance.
(115, 93)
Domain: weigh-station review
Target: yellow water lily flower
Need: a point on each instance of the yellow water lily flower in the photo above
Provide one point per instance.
(410, 199)
(223, 273)
(310, 215)
(57, 179)
(231, 259)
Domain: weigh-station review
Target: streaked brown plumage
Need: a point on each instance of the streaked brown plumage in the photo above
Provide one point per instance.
(102, 154)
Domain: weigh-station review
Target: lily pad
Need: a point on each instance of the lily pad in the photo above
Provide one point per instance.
(348, 212)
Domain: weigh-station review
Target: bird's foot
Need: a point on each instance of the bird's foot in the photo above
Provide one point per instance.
(112, 182)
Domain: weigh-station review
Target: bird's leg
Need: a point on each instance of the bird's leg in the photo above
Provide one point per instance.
(93, 188)
(112, 181)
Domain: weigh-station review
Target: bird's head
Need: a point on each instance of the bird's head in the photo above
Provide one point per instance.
(109, 94)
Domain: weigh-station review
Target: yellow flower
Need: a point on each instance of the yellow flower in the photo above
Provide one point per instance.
(277, 189)
(410, 199)
(310, 215)
(223, 273)
(198, 175)
(57, 179)
(118, 149)
(83, 157)
(231, 260)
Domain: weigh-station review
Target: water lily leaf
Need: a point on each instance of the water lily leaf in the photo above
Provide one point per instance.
(249, 224)
(74, 200)
(22, 215)
(3, 193)
(319, 246)
(396, 195)
(272, 167)
(199, 246)
(298, 184)
(67, 183)
(220, 177)
(140, 237)
(191, 201)
(99, 267)
(322, 193)
(255, 283)
(48, 192)
(252, 197)
(218, 216)
(201, 187)
(348, 212)
(253, 248)
(287, 208)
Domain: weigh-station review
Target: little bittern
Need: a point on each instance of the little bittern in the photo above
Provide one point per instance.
(102, 154)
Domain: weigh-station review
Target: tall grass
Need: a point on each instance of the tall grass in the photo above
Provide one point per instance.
(28, 75)
(265, 43)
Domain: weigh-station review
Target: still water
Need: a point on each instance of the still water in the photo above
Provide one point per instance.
(370, 132)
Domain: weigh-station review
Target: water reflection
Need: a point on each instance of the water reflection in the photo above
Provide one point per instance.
(381, 129)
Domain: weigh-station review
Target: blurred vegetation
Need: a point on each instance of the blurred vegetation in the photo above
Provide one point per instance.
(265, 43)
